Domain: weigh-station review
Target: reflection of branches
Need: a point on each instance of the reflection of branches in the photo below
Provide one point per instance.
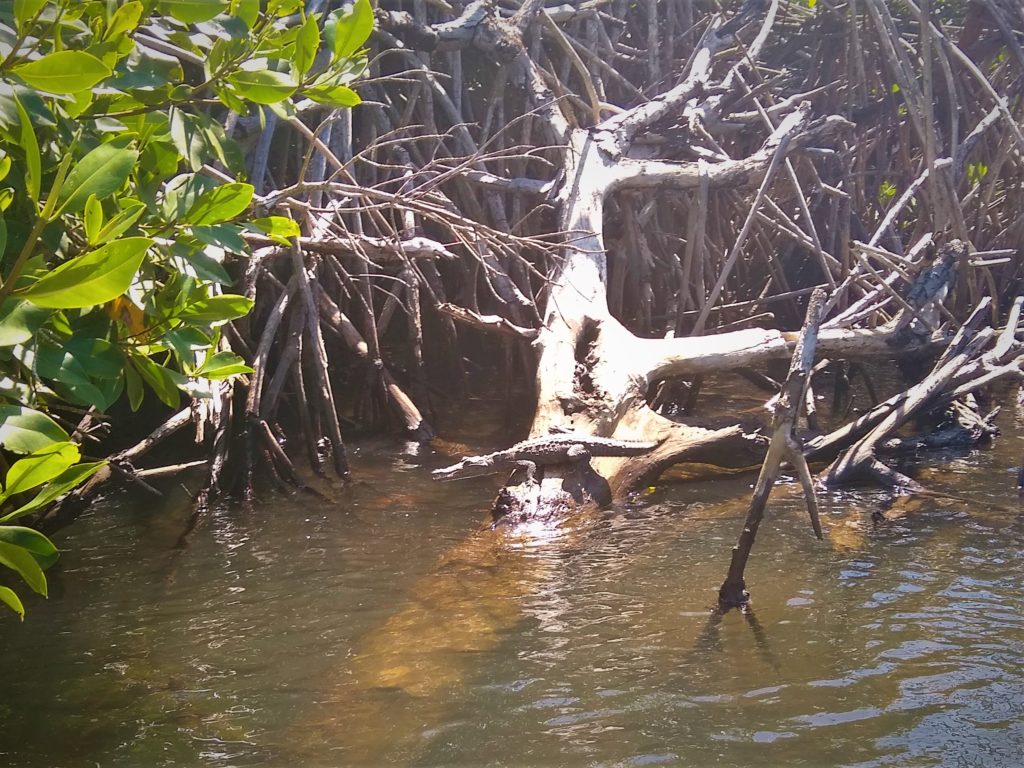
(710, 638)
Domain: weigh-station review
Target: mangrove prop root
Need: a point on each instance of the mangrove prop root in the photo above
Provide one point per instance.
(640, 195)
(784, 445)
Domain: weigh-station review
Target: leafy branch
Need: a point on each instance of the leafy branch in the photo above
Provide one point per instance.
(115, 245)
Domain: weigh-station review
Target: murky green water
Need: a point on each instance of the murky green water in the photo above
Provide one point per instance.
(376, 627)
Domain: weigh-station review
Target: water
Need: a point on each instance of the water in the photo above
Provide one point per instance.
(375, 626)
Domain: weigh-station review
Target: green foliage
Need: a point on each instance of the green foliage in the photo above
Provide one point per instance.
(113, 236)
(95, 278)
(26, 430)
(63, 72)
(886, 192)
(277, 228)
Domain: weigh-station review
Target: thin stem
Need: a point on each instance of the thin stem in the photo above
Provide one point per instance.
(26, 252)
(22, 35)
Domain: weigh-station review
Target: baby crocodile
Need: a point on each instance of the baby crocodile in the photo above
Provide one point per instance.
(551, 449)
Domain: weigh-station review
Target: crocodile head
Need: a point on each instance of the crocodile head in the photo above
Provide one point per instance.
(470, 466)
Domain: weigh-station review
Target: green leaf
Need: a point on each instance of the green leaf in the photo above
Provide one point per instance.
(306, 45)
(188, 139)
(193, 11)
(25, 11)
(110, 391)
(63, 72)
(263, 86)
(20, 321)
(197, 137)
(226, 237)
(118, 225)
(348, 28)
(277, 228)
(10, 598)
(192, 262)
(69, 376)
(33, 542)
(99, 358)
(136, 392)
(92, 279)
(49, 212)
(229, 99)
(5, 166)
(145, 68)
(333, 96)
(159, 378)
(227, 150)
(25, 430)
(285, 110)
(223, 365)
(40, 467)
(93, 220)
(220, 204)
(186, 341)
(27, 141)
(79, 102)
(101, 173)
(21, 561)
(247, 10)
(125, 19)
(66, 481)
(217, 309)
(182, 192)
(283, 7)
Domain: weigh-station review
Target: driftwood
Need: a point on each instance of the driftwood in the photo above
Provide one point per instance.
(965, 366)
(861, 457)
(119, 464)
(961, 426)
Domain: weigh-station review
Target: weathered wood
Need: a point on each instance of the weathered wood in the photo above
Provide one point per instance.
(495, 323)
(320, 365)
(75, 502)
(445, 208)
(861, 457)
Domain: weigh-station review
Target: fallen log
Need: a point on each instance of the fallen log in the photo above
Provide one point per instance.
(861, 459)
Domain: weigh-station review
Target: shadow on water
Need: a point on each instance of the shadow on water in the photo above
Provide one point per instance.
(406, 678)
(402, 678)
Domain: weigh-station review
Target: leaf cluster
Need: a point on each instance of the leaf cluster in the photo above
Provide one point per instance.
(115, 235)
